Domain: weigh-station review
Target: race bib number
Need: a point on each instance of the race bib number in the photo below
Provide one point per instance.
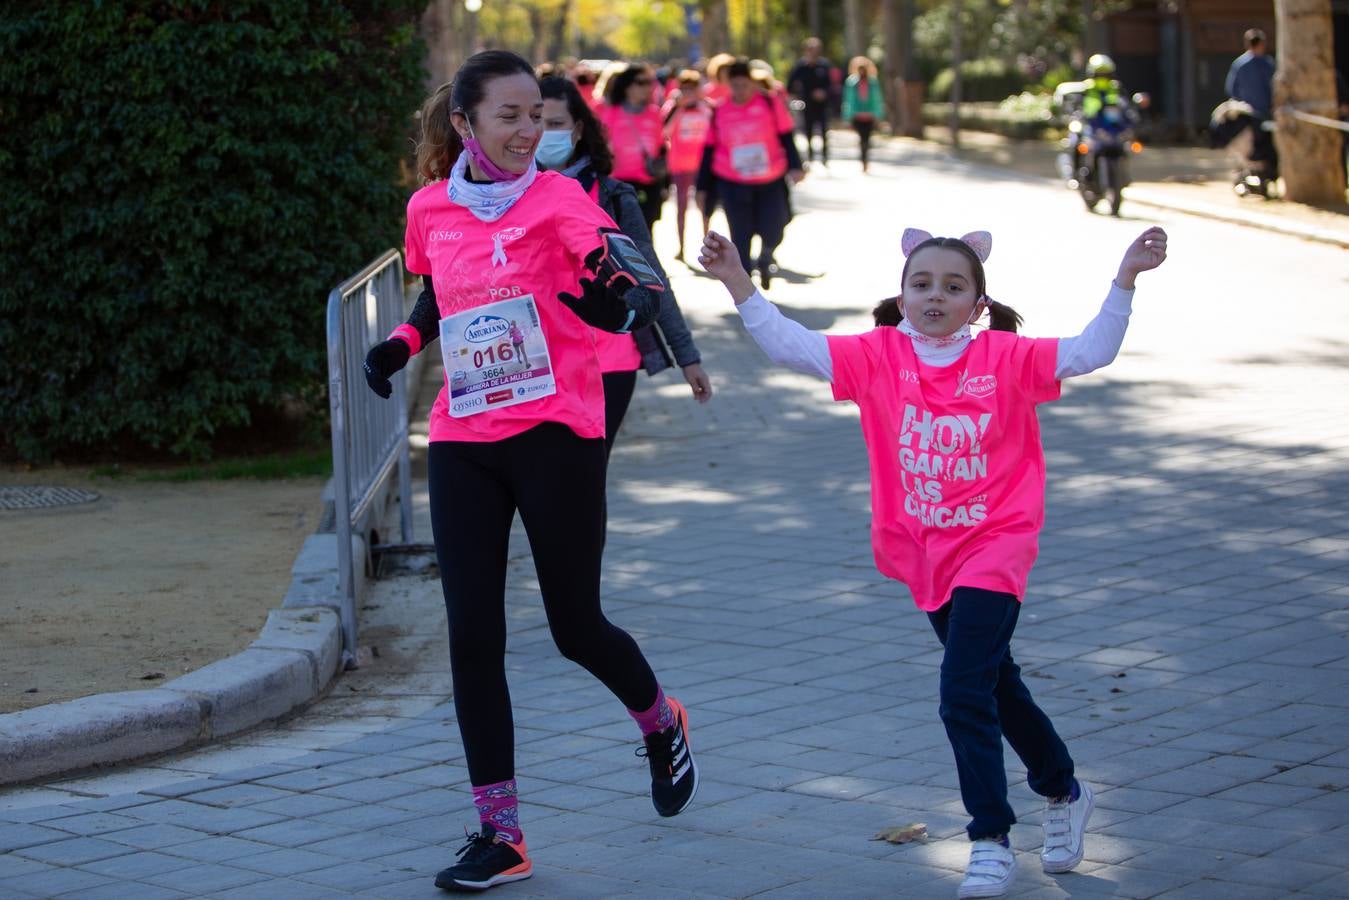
(750, 160)
(495, 356)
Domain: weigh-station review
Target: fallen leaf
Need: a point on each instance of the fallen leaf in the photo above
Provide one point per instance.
(903, 834)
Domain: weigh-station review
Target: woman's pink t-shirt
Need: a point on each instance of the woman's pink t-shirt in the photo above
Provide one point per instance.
(629, 135)
(617, 352)
(687, 134)
(747, 148)
(957, 470)
(538, 247)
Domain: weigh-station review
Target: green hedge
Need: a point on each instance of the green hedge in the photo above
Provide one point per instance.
(181, 184)
(981, 80)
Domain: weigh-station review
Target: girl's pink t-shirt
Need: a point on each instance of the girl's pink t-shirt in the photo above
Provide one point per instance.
(747, 148)
(629, 135)
(538, 248)
(957, 470)
(687, 133)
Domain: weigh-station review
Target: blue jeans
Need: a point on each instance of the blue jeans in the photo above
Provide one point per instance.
(983, 700)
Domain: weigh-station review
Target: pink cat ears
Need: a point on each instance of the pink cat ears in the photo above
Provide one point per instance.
(981, 242)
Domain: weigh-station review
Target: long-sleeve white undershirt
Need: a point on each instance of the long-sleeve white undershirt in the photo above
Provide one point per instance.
(789, 343)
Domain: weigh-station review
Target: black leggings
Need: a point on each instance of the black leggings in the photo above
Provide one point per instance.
(556, 480)
(618, 388)
(864, 127)
(814, 118)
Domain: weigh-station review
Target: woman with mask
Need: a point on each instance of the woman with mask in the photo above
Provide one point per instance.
(496, 240)
(637, 136)
(573, 144)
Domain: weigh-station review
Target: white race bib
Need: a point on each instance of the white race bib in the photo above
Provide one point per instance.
(495, 356)
(750, 160)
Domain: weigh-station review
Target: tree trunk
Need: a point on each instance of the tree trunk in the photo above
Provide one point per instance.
(899, 75)
(439, 29)
(957, 57)
(715, 36)
(854, 30)
(1309, 154)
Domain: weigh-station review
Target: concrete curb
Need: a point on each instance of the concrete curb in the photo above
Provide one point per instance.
(1250, 219)
(290, 664)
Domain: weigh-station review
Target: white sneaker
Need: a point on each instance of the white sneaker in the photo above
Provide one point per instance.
(1065, 824)
(989, 872)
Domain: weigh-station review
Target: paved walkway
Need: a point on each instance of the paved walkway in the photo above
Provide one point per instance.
(1186, 629)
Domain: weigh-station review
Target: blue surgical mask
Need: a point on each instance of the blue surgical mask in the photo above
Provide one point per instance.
(554, 149)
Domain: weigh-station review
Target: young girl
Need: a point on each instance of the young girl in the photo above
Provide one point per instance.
(957, 474)
(496, 240)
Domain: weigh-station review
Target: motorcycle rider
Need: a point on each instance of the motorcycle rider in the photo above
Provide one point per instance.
(1102, 101)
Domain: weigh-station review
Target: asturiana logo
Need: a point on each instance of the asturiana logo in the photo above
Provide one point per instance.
(509, 234)
(978, 386)
(485, 329)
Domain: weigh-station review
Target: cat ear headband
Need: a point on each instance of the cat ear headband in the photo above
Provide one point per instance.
(981, 242)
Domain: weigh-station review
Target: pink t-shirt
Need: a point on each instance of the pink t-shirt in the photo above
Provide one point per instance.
(687, 133)
(748, 150)
(957, 470)
(630, 134)
(617, 352)
(537, 248)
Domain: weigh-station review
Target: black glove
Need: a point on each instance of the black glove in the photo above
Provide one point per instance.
(382, 361)
(605, 309)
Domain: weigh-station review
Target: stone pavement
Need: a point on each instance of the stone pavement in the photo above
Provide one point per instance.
(1185, 626)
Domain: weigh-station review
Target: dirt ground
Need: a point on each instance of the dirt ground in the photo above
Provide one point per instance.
(150, 581)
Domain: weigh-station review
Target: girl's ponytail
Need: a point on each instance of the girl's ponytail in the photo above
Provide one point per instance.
(1002, 317)
(887, 312)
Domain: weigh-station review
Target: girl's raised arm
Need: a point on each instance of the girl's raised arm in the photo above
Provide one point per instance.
(1099, 343)
(786, 342)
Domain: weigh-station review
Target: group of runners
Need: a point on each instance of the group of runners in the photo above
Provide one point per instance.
(544, 296)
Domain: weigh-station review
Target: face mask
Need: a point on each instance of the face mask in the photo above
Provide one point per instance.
(489, 168)
(554, 149)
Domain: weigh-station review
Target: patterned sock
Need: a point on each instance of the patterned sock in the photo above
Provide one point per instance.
(658, 718)
(499, 805)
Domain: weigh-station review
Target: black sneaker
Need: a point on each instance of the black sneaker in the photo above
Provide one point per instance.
(674, 775)
(767, 271)
(485, 860)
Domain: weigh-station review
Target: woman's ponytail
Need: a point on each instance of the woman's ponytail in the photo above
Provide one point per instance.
(440, 144)
(1002, 317)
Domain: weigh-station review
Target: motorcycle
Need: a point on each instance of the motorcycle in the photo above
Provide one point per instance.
(1095, 157)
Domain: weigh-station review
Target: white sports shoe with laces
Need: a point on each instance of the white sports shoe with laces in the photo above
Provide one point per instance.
(990, 870)
(1065, 825)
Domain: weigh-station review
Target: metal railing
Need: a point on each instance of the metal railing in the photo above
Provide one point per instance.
(370, 433)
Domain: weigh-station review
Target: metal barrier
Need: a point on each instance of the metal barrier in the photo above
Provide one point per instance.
(370, 433)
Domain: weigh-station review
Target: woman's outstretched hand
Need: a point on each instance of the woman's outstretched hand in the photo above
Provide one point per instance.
(720, 258)
(1148, 251)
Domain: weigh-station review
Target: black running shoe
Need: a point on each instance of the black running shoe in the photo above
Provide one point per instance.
(485, 860)
(674, 775)
(768, 270)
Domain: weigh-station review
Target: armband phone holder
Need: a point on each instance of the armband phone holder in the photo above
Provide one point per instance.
(620, 260)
